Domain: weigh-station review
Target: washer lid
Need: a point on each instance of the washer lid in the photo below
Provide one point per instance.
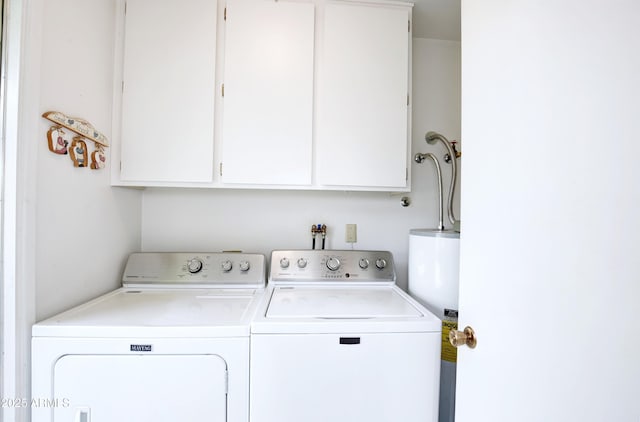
(329, 302)
(157, 312)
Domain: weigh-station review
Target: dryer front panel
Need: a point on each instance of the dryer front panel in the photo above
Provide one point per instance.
(153, 388)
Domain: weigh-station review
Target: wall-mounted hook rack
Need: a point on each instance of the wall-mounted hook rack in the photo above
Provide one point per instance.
(59, 140)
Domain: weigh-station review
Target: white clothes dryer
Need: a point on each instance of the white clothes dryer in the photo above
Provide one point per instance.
(171, 344)
(335, 339)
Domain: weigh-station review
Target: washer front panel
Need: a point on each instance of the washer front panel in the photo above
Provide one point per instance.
(345, 377)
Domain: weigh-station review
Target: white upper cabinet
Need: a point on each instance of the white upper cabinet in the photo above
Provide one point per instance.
(268, 92)
(166, 121)
(363, 95)
(294, 94)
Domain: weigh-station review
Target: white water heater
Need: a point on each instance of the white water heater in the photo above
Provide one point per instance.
(434, 257)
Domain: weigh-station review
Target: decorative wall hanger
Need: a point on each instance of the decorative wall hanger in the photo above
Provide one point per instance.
(79, 152)
(98, 158)
(59, 140)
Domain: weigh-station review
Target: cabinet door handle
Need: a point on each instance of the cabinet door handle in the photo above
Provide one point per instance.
(349, 340)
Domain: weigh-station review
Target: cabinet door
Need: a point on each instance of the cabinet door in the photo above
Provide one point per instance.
(363, 115)
(168, 90)
(268, 92)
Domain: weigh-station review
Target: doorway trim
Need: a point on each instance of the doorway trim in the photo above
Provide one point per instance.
(14, 305)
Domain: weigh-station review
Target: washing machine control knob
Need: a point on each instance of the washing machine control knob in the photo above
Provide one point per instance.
(302, 263)
(333, 263)
(284, 263)
(381, 263)
(226, 266)
(244, 266)
(194, 265)
(364, 263)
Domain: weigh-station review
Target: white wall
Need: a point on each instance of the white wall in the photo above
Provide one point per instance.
(263, 220)
(84, 228)
(72, 231)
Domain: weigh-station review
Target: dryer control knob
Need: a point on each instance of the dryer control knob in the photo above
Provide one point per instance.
(226, 266)
(244, 266)
(333, 263)
(381, 263)
(194, 265)
(364, 263)
(284, 263)
(302, 263)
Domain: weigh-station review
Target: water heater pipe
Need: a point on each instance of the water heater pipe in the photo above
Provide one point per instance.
(418, 158)
(431, 138)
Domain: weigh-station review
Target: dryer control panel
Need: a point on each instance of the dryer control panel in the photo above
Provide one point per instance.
(332, 265)
(197, 269)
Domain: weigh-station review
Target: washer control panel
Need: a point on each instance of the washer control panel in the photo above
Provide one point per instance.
(196, 269)
(331, 265)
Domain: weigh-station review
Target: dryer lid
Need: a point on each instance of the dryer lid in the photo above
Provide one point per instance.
(157, 312)
(348, 302)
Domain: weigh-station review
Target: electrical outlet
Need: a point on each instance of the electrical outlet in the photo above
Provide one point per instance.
(351, 233)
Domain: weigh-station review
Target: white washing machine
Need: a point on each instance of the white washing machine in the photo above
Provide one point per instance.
(335, 339)
(171, 345)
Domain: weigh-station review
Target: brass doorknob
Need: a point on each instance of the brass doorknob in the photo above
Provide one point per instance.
(458, 338)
